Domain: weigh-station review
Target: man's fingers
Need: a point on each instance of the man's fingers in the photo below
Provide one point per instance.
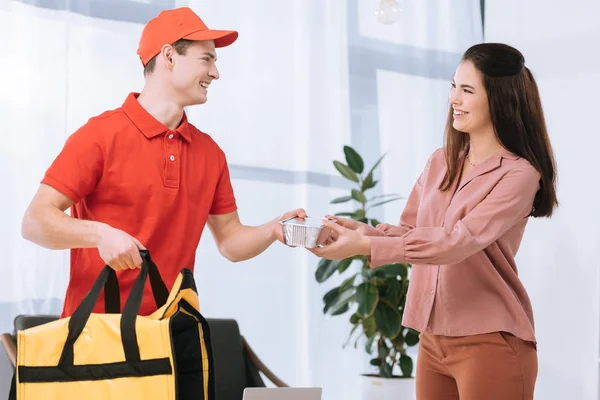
(300, 213)
(115, 264)
(126, 262)
(138, 244)
(135, 257)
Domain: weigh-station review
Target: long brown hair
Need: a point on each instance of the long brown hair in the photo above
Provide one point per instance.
(517, 117)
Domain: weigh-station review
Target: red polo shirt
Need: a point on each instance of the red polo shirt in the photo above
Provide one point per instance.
(128, 170)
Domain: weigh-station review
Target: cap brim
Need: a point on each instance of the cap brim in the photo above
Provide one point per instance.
(221, 38)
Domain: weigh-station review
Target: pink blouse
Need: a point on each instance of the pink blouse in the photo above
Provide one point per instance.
(462, 245)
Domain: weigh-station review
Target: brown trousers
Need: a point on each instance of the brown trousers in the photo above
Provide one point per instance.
(492, 366)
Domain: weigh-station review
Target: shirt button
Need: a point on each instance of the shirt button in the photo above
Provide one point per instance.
(432, 292)
(172, 158)
(171, 136)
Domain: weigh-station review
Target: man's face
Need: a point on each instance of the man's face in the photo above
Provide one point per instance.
(193, 72)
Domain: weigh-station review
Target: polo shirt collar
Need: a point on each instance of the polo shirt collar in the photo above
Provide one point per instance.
(149, 125)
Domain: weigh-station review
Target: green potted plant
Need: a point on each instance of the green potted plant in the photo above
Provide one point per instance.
(373, 297)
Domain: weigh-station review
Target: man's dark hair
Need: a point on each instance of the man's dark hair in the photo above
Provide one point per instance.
(180, 47)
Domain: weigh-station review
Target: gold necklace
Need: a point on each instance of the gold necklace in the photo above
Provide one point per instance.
(469, 160)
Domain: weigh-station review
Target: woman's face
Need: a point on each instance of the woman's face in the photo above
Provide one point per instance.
(469, 100)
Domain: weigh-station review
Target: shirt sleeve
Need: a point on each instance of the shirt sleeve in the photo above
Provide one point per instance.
(509, 202)
(408, 219)
(76, 170)
(224, 198)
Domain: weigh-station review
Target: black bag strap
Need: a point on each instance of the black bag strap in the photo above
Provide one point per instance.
(107, 279)
(159, 289)
(112, 303)
(81, 315)
(112, 295)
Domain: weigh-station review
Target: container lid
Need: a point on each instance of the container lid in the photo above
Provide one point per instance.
(308, 221)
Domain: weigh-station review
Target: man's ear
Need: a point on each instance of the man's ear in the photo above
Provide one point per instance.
(166, 53)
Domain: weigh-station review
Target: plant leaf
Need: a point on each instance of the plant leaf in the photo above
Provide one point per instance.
(369, 326)
(357, 339)
(325, 269)
(392, 291)
(385, 371)
(344, 264)
(383, 202)
(398, 343)
(331, 295)
(354, 160)
(345, 214)
(348, 283)
(368, 183)
(340, 310)
(388, 319)
(376, 362)
(374, 222)
(379, 282)
(358, 214)
(411, 337)
(345, 171)
(376, 164)
(365, 272)
(354, 319)
(390, 271)
(339, 302)
(382, 350)
(369, 344)
(367, 298)
(350, 335)
(342, 199)
(406, 365)
(359, 196)
(381, 196)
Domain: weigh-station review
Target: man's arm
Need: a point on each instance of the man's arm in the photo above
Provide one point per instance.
(238, 242)
(46, 224)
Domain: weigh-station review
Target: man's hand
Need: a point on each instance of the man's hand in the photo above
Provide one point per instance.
(277, 230)
(118, 249)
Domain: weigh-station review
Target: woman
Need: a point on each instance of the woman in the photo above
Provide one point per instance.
(461, 228)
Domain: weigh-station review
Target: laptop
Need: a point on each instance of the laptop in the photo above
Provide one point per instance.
(282, 394)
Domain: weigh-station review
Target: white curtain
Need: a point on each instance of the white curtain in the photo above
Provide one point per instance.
(304, 78)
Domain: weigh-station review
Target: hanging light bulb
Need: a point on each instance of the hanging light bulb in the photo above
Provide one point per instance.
(388, 11)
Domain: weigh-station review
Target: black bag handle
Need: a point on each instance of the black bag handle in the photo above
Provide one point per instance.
(107, 279)
(112, 296)
(134, 301)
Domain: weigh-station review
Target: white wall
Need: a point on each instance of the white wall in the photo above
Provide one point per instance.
(558, 259)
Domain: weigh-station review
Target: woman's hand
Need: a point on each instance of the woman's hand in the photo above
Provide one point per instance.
(347, 242)
(347, 223)
(390, 230)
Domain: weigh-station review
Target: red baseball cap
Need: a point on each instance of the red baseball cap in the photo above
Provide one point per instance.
(181, 23)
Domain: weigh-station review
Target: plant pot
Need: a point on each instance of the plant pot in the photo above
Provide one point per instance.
(376, 388)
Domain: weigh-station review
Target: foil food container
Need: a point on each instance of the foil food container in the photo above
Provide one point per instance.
(309, 232)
